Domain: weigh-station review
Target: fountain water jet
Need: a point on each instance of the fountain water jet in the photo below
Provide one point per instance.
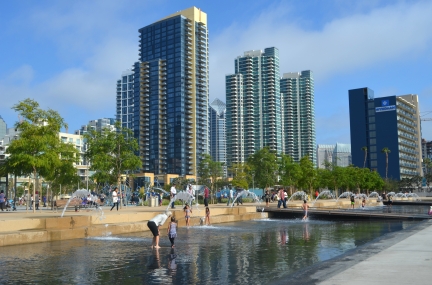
(184, 196)
(246, 193)
(328, 193)
(82, 194)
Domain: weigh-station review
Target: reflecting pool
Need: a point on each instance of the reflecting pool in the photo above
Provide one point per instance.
(252, 252)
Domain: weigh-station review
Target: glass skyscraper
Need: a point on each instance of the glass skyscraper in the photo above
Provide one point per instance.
(254, 117)
(170, 94)
(297, 92)
(218, 132)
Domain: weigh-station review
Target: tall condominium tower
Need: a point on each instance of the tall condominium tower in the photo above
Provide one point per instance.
(253, 118)
(387, 123)
(125, 99)
(170, 102)
(217, 131)
(297, 91)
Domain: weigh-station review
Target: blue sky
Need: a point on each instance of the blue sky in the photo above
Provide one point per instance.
(67, 55)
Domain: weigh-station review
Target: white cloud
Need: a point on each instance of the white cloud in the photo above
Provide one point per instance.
(342, 45)
(95, 48)
(353, 42)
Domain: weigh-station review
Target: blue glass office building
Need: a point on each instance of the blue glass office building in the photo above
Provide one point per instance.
(170, 94)
(391, 122)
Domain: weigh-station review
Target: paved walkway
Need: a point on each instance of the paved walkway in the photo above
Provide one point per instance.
(409, 261)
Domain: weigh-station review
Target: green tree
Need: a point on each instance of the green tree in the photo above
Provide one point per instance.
(208, 168)
(265, 166)
(38, 149)
(364, 149)
(290, 172)
(309, 174)
(386, 151)
(112, 153)
(240, 178)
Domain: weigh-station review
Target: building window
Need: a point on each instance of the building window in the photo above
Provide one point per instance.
(372, 141)
(372, 134)
(373, 156)
(372, 127)
(373, 163)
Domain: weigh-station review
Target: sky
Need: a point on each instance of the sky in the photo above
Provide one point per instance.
(68, 55)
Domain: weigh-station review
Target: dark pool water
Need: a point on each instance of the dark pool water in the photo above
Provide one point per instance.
(252, 252)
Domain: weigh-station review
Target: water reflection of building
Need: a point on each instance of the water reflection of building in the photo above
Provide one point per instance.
(338, 154)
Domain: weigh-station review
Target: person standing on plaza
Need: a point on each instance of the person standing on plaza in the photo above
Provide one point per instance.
(219, 196)
(305, 208)
(206, 196)
(267, 197)
(239, 196)
(115, 199)
(173, 192)
(37, 200)
(281, 196)
(230, 197)
(172, 231)
(154, 225)
(2, 200)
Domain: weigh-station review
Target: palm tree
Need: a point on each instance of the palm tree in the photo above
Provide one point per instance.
(386, 151)
(365, 157)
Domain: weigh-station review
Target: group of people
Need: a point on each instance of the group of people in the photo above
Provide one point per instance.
(159, 220)
(282, 197)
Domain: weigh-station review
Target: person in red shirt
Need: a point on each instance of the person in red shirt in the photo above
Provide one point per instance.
(206, 196)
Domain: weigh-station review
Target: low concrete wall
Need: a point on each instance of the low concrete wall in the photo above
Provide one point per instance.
(23, 231)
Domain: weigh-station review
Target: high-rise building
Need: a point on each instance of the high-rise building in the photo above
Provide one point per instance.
(98, 125)
(253, 117)
(338, 154)
(297, 92)
(170, 94)
(387, 123)
(3, 128)
(218, 132)
(426, 149)
(125, 99)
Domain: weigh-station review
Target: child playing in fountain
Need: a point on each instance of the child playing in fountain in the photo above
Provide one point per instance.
(188, 212)
(172, 231)
(363, 202)
(305, 209)
(207, 216)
